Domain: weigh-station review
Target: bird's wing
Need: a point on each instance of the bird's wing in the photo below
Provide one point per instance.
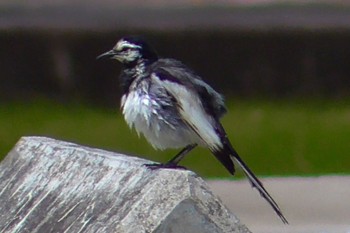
(175, 71)
(190, 109)
(192, 112)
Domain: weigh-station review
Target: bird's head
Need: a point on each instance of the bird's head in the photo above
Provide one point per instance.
(129, 50)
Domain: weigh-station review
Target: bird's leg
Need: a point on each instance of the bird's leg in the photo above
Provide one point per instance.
(172, 163)
(179, 156)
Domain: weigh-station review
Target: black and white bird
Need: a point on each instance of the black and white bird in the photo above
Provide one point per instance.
(174, 108)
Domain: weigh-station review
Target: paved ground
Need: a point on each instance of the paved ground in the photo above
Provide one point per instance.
(318, 204)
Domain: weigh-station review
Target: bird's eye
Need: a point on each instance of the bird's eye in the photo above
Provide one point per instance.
(124, 49)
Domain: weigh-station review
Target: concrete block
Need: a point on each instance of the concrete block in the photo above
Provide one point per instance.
(48, 185)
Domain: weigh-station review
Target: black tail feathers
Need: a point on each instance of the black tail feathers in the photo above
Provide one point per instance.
(227, 156)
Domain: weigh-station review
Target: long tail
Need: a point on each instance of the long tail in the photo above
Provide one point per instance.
(256, 183)
(227, 155)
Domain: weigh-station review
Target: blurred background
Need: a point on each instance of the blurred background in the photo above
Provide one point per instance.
(283, 67)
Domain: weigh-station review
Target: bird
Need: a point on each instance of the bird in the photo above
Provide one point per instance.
(172, 107)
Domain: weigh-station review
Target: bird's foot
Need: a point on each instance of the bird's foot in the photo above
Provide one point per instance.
(155, 166)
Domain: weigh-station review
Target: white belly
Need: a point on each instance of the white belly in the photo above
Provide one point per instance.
(141, 112)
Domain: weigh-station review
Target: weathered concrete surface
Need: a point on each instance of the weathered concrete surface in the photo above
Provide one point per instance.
(53, 186)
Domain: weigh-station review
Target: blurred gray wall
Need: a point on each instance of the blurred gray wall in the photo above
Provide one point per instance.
(273, 50)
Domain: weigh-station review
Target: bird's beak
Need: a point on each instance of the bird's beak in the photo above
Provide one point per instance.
(110, 54)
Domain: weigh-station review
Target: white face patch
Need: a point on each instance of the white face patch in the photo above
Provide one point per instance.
(129, 56)
(127, 52)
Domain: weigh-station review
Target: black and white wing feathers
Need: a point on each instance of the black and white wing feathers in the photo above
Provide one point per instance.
(174, 71)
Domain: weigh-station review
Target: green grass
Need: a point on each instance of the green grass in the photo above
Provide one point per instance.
(273, 137)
